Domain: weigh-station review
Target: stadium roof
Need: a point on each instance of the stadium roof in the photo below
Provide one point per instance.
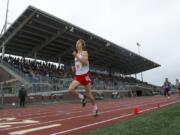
(52, 39)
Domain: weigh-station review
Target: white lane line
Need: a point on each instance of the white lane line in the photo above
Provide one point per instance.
(22, 132)
(21, 122)
(5, 126)
(9, 124)
(93, 124)
(25, 114)
(169, 103)
(108, 120)
(7, 119)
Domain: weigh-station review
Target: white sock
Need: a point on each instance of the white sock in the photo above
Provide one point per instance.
(80, 96)
(95, 107)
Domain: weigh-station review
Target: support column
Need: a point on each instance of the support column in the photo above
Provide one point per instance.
(35, 57)
(141, 77)
(59, 61)
(3, 51)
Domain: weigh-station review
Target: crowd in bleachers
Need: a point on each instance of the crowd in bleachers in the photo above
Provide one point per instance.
(57, 74)
(105, 81)
(32, 68)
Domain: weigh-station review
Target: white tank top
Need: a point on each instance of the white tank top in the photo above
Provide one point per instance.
(80, 68)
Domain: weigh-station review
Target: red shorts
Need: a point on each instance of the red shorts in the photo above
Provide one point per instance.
(83, 79)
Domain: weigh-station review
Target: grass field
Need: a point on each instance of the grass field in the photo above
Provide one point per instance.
(162, 122)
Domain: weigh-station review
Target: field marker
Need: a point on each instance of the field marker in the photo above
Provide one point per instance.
(22, 132)
(9, 124)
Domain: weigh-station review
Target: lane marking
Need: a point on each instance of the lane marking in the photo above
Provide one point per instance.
(7, 119)
(5, 126)
(93, 124)
(9, 124)
(22, 132)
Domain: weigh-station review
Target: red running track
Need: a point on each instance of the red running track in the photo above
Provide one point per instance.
(72, 119)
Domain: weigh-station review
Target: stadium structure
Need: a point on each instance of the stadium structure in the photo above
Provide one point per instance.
(37, 52)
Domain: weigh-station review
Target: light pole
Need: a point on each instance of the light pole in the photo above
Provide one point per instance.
(5, 28)
(138, 45)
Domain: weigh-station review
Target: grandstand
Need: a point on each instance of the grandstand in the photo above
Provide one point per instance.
(38, 49)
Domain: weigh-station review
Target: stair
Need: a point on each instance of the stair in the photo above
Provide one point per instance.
(15, 72)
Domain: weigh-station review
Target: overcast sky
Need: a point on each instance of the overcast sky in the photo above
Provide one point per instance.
(155, 24)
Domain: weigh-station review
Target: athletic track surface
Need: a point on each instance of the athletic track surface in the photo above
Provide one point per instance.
(72, 119)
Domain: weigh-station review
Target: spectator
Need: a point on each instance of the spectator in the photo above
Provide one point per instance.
(22, 96)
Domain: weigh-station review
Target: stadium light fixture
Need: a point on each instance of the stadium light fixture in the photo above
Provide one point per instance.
(139, 45)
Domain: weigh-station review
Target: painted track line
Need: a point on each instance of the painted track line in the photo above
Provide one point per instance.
(22, 132)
